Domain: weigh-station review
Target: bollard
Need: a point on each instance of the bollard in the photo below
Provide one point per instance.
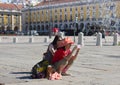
(31, 40)
(81, 39)
(115, 39)
(46, 40)
(99, 39)
(15, 40)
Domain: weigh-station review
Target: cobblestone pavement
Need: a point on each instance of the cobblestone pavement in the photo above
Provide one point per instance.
(94, 65)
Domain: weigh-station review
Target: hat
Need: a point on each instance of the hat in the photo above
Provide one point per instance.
(61, 35)
(64, 42)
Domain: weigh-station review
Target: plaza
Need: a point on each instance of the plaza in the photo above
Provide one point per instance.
(95, 65)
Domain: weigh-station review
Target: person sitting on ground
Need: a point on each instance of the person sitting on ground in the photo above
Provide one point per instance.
(52, 47)
(63, 57)
(39, 69)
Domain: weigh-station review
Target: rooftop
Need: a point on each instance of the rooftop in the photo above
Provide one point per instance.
(10, 6)
(47, 2)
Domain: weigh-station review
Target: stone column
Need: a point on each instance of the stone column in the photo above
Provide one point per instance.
(20, 23)
(81, 39)
(46, 40)
(115, 39)
(15, 40)
(31, 40)
(99, 39)
(12, 21)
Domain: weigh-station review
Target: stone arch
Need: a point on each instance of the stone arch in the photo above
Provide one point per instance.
(70, 26)
(78, 26)
(56, 26)
(100, 23)
(38, 28)
(2, 28)
(87, 25)
(16, 28)
(42, 28)
(65, 26)
(60, 26)
(93, 23)
(34, 28)
(47, 27)
(90, 28)
(30, 27)
(81, 27)
(26, 28)
(8, 28)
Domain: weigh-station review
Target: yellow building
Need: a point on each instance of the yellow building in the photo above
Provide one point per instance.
(64, 14)
(10, 18)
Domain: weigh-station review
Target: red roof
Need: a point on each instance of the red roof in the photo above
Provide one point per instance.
(55, 2)
(10, 6)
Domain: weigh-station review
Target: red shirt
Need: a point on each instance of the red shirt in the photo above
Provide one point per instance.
(60, 54)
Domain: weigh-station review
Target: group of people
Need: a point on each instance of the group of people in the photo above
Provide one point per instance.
(59, 55)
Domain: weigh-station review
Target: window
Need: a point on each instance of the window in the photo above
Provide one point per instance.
(93, 7)
(76, 9)
(81, 18)
(60, 18)
(81, 8)
(94, 13)
(65, 18)
(70, 17)
(88, 17)
(76, 15)
(55, 18)
(65, 9)
(87, 7)
(60, 10)
(55, 10)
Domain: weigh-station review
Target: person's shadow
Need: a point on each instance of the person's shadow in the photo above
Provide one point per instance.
(28, 75)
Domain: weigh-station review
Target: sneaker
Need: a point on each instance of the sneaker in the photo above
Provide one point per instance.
(65, 74)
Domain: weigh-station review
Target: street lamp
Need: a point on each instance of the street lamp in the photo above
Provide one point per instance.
(50, 20)
(29, 5)
(75, 28)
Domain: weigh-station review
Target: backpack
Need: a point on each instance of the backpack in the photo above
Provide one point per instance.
(39, 69)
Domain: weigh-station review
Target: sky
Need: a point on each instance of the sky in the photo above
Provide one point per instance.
(5, 0)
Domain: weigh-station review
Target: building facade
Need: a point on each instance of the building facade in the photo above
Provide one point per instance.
(10, 17)
(72, 15)
(25, 1)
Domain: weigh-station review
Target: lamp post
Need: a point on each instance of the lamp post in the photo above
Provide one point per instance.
(75, 28)
(29, 20)
(29, 5)
(50, 20)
